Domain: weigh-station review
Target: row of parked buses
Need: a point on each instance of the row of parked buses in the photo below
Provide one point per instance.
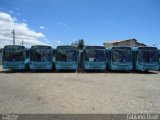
(40, 57)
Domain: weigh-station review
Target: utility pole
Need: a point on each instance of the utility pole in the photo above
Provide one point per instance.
(22, 42)
(13, 32)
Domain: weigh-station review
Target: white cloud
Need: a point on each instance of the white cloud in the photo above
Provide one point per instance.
(13, 12)
(23, 32)
(42, 27)
(46, 40)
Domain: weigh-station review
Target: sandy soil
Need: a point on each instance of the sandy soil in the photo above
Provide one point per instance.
(51, 92)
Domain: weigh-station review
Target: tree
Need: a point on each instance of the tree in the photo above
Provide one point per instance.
(79, 44)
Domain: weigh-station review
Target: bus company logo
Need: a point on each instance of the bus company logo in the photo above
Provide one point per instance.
(9, 117)
(142, 117)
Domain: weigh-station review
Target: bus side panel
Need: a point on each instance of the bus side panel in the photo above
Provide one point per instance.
(53, 63)
(109, 59)
(53, 58)
(134, 57)
(137, 65)
(81, 59)
(27, 59)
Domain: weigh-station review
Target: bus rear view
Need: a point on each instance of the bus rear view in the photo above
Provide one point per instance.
(66, 58)
(41, 57)
(120, 58)
(15, 57)
(94, 58)
(146, 58)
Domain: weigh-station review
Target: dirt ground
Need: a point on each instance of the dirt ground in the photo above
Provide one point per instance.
(68, 92)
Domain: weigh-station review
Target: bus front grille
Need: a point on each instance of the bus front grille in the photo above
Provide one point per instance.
(40, 64)
(66, 65)
(121, 67)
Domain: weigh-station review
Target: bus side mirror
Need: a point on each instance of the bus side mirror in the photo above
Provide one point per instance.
(27, 53)
(78, 53)
(53, 52)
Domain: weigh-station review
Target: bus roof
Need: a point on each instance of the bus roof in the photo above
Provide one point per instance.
(94, 47)
(40, 46)
(13, 47)
(117, 47)
(145, 47)
(66, 46)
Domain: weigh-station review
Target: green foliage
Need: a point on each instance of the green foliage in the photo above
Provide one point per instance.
(79, 44)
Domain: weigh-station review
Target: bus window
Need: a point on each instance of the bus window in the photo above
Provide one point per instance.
(148, 56)
(95, 55)
(67, 55)
(121, 55)
(13, 55)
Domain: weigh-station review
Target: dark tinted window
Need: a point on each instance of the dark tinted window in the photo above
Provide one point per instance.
(121, 55)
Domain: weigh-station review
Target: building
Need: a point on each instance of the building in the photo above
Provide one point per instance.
(0, 56)
(120, 43)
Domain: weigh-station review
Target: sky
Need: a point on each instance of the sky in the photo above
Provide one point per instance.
(61, 22)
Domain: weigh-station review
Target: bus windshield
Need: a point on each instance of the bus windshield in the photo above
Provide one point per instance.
(67, 55)
(121, 55)
(148, 56)
(41, 55)
(95, 55)
(13, 54)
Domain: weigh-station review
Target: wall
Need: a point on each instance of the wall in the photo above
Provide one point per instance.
(107, 45)
(130, 43)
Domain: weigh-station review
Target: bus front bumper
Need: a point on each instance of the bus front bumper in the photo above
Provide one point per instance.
(95, 66)
(150, 68)
(66, 65)
(41, 65)
(14, 66)
(147, 66)
(121, 67)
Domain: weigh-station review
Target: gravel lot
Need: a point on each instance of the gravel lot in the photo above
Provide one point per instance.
(79, 93)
